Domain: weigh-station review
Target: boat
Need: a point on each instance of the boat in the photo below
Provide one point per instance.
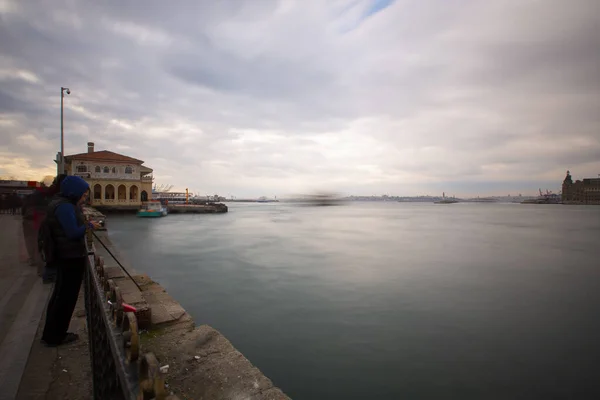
(319, 200)
(263, 199)
(152, 209)
(446, 200)
(482, 200)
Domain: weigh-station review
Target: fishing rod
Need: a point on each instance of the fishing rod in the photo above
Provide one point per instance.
(115, 258)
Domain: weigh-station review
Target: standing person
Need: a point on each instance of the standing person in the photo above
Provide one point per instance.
(34, 212)
(14, 203)
(66, 226)
(29, 231)
(49, 269)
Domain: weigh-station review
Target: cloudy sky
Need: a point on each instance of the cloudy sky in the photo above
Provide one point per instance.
(267, 97)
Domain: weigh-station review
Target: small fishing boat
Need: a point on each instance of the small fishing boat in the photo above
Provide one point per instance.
(152, 209)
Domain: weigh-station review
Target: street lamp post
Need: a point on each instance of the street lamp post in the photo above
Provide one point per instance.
(62, 134)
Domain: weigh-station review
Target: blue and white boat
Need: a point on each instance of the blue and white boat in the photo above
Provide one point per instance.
(152, 209)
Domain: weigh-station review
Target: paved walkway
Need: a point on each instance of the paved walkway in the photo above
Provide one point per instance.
(22, 301)
(29, 370)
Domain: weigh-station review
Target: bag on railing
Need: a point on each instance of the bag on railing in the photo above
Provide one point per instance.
(46, 244)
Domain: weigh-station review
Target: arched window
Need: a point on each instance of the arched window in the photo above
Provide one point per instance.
(81, 168)
(144, 195)
(97, 191)
(133, 193)
(106, 170)
(109, 192)
(114, 170)
(98, 169)
(122, 192)
(128, 170)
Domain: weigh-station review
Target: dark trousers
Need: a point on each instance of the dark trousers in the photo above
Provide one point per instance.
(30, 235)
(69, 275)
(49, 272)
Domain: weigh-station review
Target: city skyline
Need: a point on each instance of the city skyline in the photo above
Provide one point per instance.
(353, 96)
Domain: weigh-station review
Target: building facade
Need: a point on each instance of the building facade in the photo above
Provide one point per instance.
(586, 191)
(116, 181)
(21, 188)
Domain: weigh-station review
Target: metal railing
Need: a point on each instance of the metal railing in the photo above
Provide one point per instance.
(119, 369)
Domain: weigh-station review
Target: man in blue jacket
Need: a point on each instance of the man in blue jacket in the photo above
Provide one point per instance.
(67, 228)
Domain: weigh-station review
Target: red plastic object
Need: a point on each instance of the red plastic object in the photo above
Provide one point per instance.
(128, 308)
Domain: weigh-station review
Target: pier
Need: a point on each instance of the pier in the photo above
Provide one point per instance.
(210, 208)
(136, 340)
(215, 208)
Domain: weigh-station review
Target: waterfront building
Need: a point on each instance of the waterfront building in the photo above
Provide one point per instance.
(586, 191)
(21, 188)
(116, 180)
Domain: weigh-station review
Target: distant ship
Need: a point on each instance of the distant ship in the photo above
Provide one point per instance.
(265, 200)
(319, 199)
(446, 200)
(482, 200)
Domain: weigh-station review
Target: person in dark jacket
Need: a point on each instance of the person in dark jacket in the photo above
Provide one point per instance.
(68, 227)
(49, 272)
(34, 212)
(29, 231)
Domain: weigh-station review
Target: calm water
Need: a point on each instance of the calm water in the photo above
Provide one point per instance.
(390, 300)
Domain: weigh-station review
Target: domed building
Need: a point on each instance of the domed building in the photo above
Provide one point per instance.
(586, 191)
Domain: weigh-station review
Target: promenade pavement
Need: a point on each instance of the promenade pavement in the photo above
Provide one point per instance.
(29, 370)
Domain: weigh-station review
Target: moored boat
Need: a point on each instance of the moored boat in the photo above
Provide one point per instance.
(152, 209)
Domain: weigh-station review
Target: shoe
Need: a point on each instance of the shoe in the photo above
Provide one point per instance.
(68, 338)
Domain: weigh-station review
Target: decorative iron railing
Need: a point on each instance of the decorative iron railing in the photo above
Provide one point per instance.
(119, 370)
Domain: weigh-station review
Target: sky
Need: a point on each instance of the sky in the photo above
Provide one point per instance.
(265, 97)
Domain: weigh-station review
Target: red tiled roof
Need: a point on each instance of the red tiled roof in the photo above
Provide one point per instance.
(104, 155)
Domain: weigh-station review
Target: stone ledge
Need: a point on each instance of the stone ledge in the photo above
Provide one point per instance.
(203, 364)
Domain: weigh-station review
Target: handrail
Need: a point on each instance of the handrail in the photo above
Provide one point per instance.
(119, 370)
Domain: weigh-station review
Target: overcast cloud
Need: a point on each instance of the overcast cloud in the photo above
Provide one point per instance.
(265, 97)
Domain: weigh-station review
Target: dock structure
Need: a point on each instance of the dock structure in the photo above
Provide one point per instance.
(209, 208)
(215, 208)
